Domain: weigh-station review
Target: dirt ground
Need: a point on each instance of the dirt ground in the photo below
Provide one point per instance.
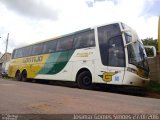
(36, 100)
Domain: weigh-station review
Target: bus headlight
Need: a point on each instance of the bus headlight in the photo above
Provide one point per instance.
(132, 70)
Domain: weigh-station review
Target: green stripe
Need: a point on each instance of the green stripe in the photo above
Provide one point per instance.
(56, 62)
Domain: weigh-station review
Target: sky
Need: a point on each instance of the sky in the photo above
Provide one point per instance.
(30, 21)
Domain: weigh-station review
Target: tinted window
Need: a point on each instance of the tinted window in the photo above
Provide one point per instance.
(37, 49)
(116, 56)
(50, 46)
(137, 56)
(26, 51)
(18, 53)
(108, 31)
(109, 36)
(84, 39)
(65, 43)
(128, 37)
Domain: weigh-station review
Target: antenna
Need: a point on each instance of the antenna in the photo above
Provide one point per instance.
(159, 35)
(7, 42)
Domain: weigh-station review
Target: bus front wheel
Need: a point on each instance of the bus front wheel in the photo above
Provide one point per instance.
(84, 80)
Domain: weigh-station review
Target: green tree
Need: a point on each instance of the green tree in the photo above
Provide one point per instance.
(151, 41)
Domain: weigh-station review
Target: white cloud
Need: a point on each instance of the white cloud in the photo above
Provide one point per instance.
(71, 15)
(36, 9)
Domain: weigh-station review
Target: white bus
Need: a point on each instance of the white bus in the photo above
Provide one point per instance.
(109, 54)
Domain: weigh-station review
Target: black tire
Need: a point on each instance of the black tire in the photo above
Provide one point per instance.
(84, 80)
(33, 80)
(18, 76)
(24, 76)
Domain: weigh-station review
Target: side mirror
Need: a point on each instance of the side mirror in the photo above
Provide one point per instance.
(150, 51)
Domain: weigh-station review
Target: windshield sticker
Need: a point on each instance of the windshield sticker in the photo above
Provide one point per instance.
(116, 78)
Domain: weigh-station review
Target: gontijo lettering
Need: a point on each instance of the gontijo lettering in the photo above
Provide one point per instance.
(33, 59)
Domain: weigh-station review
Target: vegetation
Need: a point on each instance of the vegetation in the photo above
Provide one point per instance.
(151, 41)
(154, 86)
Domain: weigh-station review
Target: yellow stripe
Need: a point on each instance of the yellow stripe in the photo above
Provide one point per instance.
(159, 35)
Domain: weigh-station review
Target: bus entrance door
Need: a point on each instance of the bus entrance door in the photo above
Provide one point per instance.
(116, 59)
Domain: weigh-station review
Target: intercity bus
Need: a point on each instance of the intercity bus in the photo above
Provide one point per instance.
(108, 54)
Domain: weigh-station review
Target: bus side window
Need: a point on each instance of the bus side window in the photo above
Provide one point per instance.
(27, 51)
(18, 53)
(65, 43)
(50, 46)
(37, 49)
(84, 39)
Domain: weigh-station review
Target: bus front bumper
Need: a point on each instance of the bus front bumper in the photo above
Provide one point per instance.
(132, 79)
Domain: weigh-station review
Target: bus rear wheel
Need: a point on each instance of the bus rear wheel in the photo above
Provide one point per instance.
(18, 76)
(84, 80)
(24, 76)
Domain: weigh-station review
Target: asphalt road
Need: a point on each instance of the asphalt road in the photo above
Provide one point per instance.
(26, 97)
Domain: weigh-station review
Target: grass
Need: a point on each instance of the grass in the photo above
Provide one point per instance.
(154, 86)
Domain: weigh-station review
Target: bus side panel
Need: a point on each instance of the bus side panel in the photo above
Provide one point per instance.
(78, 59)
(32, 65)
(84, 58)
(65, 74)
(57, 67)
(14, 66)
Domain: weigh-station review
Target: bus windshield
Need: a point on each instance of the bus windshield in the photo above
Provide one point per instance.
(136, 54)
